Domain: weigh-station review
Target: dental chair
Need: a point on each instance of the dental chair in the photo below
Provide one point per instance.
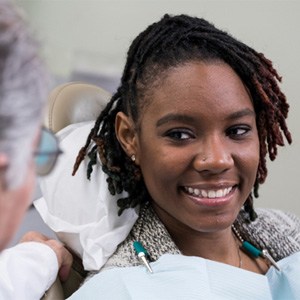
(72, 103)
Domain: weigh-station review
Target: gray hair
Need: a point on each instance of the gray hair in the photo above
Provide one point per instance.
(23, 88)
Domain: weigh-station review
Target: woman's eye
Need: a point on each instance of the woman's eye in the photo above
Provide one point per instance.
(179, 135)
(238, 132)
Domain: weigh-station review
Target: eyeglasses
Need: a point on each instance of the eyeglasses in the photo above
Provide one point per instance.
(47, 152)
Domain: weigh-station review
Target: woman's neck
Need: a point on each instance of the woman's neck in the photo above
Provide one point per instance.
(219, 246)
(209, 242)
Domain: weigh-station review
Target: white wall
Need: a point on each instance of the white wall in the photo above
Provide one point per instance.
(96, 34)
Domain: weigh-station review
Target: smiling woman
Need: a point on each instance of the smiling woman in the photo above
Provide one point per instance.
(186, 188)
(186, 136)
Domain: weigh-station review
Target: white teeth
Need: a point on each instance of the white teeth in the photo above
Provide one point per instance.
(196, 192)
(228, 190)
(204, 194)
(209, 193)
(220, 193)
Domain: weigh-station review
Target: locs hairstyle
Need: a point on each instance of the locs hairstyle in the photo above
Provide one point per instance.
(172, 41)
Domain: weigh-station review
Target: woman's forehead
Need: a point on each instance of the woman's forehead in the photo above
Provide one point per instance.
(207, 85)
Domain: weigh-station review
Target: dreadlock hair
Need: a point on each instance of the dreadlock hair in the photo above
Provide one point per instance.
(172, 41)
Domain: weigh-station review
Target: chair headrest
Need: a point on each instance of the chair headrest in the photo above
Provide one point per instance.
(74, 102)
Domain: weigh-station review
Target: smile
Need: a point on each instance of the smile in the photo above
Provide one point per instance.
(211, 194)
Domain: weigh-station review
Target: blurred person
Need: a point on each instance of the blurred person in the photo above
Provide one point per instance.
(28, 269)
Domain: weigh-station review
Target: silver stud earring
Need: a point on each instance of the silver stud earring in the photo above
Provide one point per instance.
(132, 157)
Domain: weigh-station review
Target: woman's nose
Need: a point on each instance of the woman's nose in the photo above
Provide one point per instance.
(214, 155)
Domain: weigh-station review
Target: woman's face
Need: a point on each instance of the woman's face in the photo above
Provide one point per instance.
(198, 146)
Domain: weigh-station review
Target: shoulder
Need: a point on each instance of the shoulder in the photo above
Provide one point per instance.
(124, 256)
(151, 233)
(276, 230)
(284, 222)
(284, 217)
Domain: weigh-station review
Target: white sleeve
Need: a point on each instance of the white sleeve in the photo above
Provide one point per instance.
(27, 271)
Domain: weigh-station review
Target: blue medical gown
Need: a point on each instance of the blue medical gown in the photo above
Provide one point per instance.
(182, 277)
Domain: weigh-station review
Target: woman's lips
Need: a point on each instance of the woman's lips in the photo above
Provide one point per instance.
(210, 197)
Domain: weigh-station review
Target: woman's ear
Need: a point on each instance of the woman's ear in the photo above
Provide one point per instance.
(126, 133)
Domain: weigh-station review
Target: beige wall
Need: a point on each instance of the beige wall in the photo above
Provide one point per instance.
(95, 35)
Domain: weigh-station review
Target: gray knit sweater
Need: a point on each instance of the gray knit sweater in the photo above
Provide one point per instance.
(274, 230)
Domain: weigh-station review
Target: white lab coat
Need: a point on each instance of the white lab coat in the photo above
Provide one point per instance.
(27, 271)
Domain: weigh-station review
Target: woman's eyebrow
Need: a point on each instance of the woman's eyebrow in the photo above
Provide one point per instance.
(185, 118)
(241, 113)
(174, 117)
